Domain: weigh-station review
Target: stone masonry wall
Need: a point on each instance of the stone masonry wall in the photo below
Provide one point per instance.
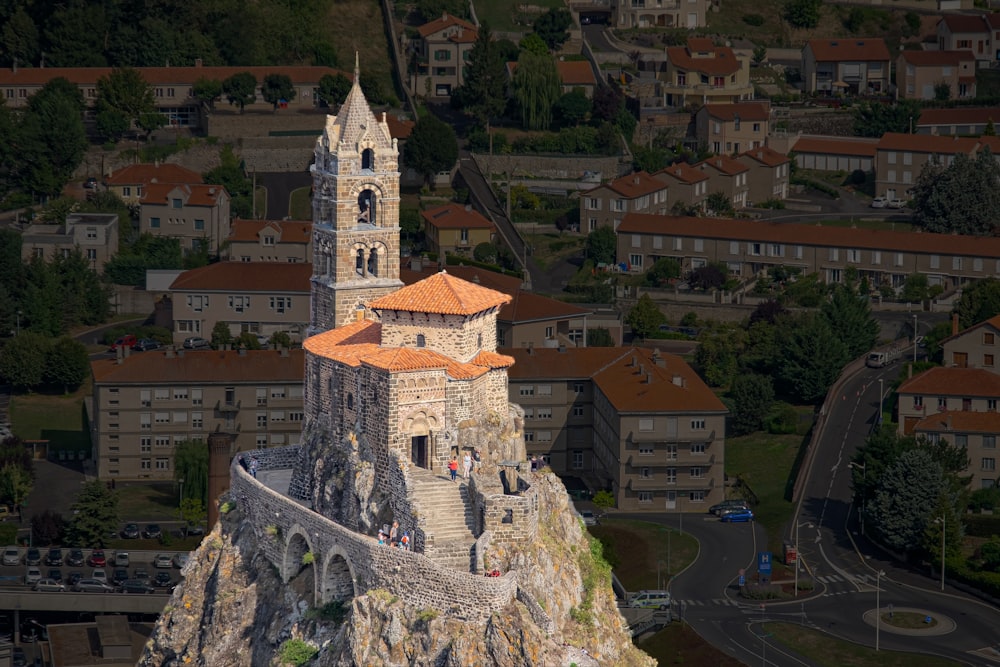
(508, 518)
(410, 576)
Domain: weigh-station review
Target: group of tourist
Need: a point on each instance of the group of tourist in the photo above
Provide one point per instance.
(251, 465)
(469, 461)
(390, 535)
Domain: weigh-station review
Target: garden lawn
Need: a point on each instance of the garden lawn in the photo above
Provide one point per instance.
(57, 418)
(637, 546)
(299, 204)
(503, 15)
(547, 249)
(825, 650)
(151, 502)
(679, 644)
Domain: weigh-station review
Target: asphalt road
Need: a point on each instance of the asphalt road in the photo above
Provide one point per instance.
(279, 190)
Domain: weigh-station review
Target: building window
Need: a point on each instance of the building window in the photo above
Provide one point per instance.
(854, 256)
(989, 463)
(988, 360)
(698, 448)
(646, 424)
(734, 247)
(635, 261)
(696, 473)
(279, 303)
(261, 396)
(199, 225)
(545, 413)
(671, 475)
(176, 203)
(645, 497)
(697, 424)
(577, 459)
(529, 413)
(671, 452)
(277, 392)
(578, 387)
(527, 390)
(991, 404)
(577, 410)
(196, 397)
(163, 464)
(145, 464)
(544, 436)
(145, 444)
(834, 254)
(162, 418)
(295, 416)
(261, 440)
(942, 403)
(261, 420)
(277, 415)
(989, 441)
(697, 496)
(197, 420)
(529, 436)
(162, 441)
(935, 261)
(961, 440)
(956, 263)
(544, 390)
(988, 339)
(91, 254)
(145, 421)
(179, 417)
(646, 473)
(548, 332)
(646, 451)
(918, 402)
(154, 223)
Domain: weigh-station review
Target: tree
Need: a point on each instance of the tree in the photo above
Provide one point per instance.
(910, 486)
(240, 89)
(803, 13)
(208, 91)
(812, 357)
(19, 39)
(645, 317)
(191, 465)
(372, 87)
(599, 337)
(719, 203)
(333, 89)
(129, 266)
(915, 288)
(22, 360)
(961, 198)
(602, 245)
(942, 92)
(663, 271)
(95, 514)
(537, 88)
(552, 27)
(873, 119)
(485, 252)
(125, 98)
(717, 356)
(51, 131)
(752, 397)
(850, 319)
(759, 54)
(432, 147)
(989, 130)
(231, 175)
(192, 513)
(534, 44)
(486, 81)
(221, 335)
(708, 277)
(433, 9)
(980, 301)
(608, 101)
(277, 88)
(47, 528)
(767, 311)
(16, 484)
(67, 364)
(651, 159)
(572, 108)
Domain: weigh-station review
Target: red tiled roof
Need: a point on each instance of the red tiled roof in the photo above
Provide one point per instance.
(958, 116)
(992, 322)
(700, 44)
(723, 163)
(237, 276)
(575, 73)
(492, 359)
(197, 194)
(957, 420)
(362, 332)
(291, 231)
(473, 274)
(399, 128)
(145, 173)
(835, 146)
(927, 143)
(811, 235)
(849, 50)
(81, 76)
(965, 23)
(632, 185)
(447, 21)
(443, 294)
(722, 61)
(941, 381)
(455, 216)
(936, 58)
(766, 156)
(683, 172)
(745, 110)
(201, 367)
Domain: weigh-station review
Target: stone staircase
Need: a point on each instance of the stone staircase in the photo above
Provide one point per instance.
(448, 513)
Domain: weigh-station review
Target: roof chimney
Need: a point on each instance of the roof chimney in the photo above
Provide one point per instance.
(284, 351)
(909, 371)
(954, 324)
(649, 378)
(678, 380)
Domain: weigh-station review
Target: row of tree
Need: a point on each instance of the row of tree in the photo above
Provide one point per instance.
(30, 361)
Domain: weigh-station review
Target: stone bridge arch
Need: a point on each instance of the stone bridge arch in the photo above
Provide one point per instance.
(339, 580)
(297, 544)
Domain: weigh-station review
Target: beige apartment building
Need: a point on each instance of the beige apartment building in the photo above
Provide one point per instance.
(129, 183)
(919, 73)
(637, 422)
(686, 185)
(733, 128)
(728, 176)
(197, 215)
(658, 13)
(440, 55)
(144, 404)
(456, 229)
(260, 298)
(748, 247)
(605, 205)
(963, 121)
(846, 65)
(703, 73)
(975, 347)
(95, 234)
(899, 158)
(976, 33)
(270, 241)
(769, 174)
(834, 153)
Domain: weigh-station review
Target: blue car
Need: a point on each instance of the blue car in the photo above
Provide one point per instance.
(737, 515)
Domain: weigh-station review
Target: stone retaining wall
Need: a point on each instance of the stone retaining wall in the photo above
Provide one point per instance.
(562, 168)
(345, 561)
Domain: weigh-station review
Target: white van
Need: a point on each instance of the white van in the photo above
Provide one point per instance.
(650, 599)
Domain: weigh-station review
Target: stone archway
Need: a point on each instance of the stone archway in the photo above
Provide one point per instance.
(295, 560)
(338, 582)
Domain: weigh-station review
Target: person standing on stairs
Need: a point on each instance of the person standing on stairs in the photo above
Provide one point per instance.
(467, 464)
(453, 468)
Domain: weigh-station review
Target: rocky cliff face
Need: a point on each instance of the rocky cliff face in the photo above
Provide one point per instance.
(233, 610)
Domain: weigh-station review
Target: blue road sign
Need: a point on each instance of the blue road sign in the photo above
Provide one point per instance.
(743, 581)
(764, 562)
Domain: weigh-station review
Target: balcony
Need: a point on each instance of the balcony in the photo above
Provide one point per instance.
(227, 406)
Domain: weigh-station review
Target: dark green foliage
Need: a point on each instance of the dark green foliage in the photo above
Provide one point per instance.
(915, 288)
(22, 360)
(372, 87)
(552, 27)
(962, 198)
(47, 528)
(607, 102)
(240, 89)
(429, 10)
(980, 301)
(873, 119)
(942, 92)
(767, 311)
(601, 245)
(221, 335)
(333, 89)
(752, 397)
(858, 177)
(651, 159)
(208, 91)
(782, 420)
(485, 252)
(129, 266)
(582, 140)
(717, 356)
(484, 91)
(191, 465)
(912, 482)
(125, 98)
(806, 292)
(536, 89)
(812, 358)
(50, 131)
(645, 317)
(850, 319)
(18, 39)
(803, 13)
(753, 19)
(855, 19)
(431, 148)
(707, 277)
(572, 108)
(67, 364)
(277, 88)
(663, 271)
(231, 175)
(599, 337)
(95, 514)
(912, 20)
(989, 553)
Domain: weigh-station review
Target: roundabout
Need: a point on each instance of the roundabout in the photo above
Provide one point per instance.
(910, 621)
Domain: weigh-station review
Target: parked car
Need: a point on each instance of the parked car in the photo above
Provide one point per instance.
(125, 341)
(588, 518)
(11, 556)
(135, 586)
(195, 342)
(56, 574)
(31, 575)
(131, 531)
(97, 558)
(33, 557)
(163, 580)
(92, 586)
(737, 516)
(896, 203)
(54, 557)
(119, 575)
(180, 560)
(162, 561)
(90, 183)
(879, 202)
(49, 586)
(121, 559)
(194, 530)
(100, 574)
(144, 344)
(152, 531)
(650, 599)
(75, 558)
(73, 578)
(725, 505)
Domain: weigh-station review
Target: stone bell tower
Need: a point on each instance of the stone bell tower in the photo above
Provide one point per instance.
(355, 213)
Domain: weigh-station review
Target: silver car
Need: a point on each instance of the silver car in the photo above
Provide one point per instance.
(49, 586)
(11, 556)
(92, 586)
(32, 575)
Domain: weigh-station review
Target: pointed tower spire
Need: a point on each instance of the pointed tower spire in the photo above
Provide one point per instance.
(357, 69)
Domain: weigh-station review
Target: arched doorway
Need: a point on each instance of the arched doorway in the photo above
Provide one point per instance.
(298, 566)
(338, 580)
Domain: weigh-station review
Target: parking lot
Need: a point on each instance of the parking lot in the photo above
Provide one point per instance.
(62, 570)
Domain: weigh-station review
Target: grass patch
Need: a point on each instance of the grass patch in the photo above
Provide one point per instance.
(156, 501)
(634, 548)
(260, 201)
(300, 205)
(552, 248)
(679, 644)
(358, 25)
(907, 619)
(505, 16)
(825, 650)
(766, 463)
(58, 418)
(884, 225)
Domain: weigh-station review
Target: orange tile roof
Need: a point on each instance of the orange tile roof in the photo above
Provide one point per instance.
(632, 185)
(264, 277)
(447, 21)
(959, 116)
(291, 231)
(836, 146)
(683, 172)
(201, 367)
(493, 359)
(766, 156)
(810, 235)
(722, 61)
(849, 50)
(443, 294)
(965, 23)
(569, 363)
(399, 128)
(700, 44)
(473, 274)
(992, 322)
(575, 73)
(153, 173)
(745, 110)
(957, 420)
(926, 143)
(936, 58)
(83, 76)
(362, 332)
(456, 216)
(723, 163)
(197, 194)
(941, 381)
(396, 359)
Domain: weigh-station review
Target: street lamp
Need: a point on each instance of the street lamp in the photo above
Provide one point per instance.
(797, 554)
(881, 393)
(914, 338)
(878, 608)
(180, 498)
(944, 526)
(659, 584)
(864, 473)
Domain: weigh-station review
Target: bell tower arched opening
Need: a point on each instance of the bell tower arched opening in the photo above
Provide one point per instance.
(368, 159)
(366, 208)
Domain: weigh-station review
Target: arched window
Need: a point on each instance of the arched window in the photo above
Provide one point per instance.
(421, 341)
(368, 159)
(479, 341)
(350, 401)
(373, 262)
(366, 207)
(359, 263)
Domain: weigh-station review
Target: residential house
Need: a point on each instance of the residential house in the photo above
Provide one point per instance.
(978, 33)
(440, 54)
(768, 176)
(749, 247)
(637, 422)
(688, 186)
(962, 121)
(975, 432)
(688, 14)
(847, 65)
(919, 74)
(975, 347)
(197, 215)
(728, 176)
(130, 183)
(834, 153)
(605, 205)
(702, 73)
(270, 241)
(456, 229)
(94, 234)
(900, 157)
(262, 298)
(576, 75)
(733, 128)
(144, 405)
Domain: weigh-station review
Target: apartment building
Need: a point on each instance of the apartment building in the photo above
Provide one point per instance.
(834, 153)
(728, 176)
(846, 65)
(769, 174)
(686, 185)
(129, 183)
(658, 13)
(197, 215)
(269, 241)
(637, 422)
(733, 128)
(95, 234)
(456, 229)
(899, 158)
(605, 205)
(962, 121)
(919, 74)
(145, 404)
(975, 347)
(976, 33)
(260, 298)
(749, 247)
(703, 73)
(440, 55)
